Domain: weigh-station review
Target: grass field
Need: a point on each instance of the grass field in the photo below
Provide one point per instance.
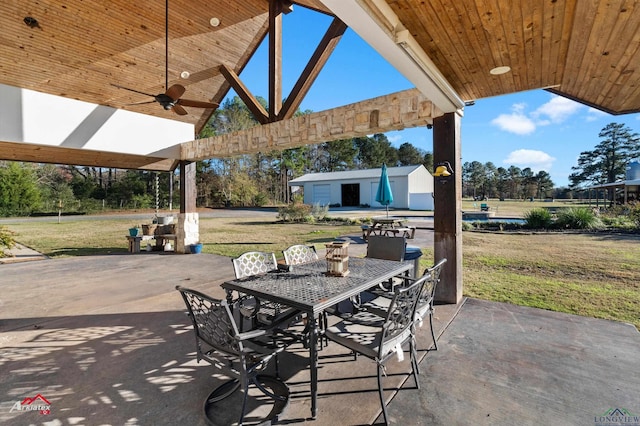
(518, 208)
(589, 274)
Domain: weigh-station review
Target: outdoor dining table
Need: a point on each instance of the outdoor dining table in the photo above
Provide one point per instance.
(309, 289)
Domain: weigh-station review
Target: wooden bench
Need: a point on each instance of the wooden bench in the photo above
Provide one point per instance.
(161, 240)
(408, 232)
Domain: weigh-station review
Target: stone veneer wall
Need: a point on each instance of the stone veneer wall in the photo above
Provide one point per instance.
(187, 231)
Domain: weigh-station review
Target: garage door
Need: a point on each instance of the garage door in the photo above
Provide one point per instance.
(322, 194)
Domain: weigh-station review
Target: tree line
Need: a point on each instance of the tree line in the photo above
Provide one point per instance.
(262, 178)
(481, 181)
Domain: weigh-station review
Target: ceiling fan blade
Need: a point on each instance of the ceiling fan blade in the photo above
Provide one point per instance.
(175, 91)
(132, 90)
(179, 110)
(197, 104)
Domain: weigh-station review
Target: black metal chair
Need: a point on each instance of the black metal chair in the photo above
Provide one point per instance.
(424, 306)
(242, 356)
(267, 313)
(377, 333)
(299, 253)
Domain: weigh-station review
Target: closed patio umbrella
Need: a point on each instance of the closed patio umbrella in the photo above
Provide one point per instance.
(384, 195)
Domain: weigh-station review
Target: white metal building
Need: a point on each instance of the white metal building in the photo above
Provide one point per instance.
(412, 187)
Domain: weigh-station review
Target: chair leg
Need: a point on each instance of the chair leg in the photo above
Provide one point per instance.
(414, 362)
(414, 356)
(245, 390)
(433, 336)
(381, 394)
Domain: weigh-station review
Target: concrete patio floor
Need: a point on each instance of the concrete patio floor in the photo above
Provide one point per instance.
(105, 340)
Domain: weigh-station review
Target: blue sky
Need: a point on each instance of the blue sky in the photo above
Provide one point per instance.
(533, 129)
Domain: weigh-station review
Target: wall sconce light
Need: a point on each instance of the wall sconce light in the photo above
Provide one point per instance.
(443, 171)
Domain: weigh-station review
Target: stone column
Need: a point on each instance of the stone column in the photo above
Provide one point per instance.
(188, 227)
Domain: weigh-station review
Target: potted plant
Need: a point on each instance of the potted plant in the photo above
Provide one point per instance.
(133, 231)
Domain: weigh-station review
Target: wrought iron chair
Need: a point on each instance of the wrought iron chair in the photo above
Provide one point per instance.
(266, 313)
(254, 263)
(425, 302)
(242, 356)
(380, 334)
(424, 307)
(299, 254)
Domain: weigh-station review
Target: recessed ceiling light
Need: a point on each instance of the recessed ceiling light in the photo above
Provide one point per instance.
(500, 70)
(214, 22)
(184, 75)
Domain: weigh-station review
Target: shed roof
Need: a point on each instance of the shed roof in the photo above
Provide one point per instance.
(355, 174)
(632, 182)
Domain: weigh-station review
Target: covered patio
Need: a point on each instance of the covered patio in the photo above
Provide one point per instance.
(106, 341)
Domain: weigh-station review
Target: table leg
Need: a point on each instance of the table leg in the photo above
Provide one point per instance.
(313, 363)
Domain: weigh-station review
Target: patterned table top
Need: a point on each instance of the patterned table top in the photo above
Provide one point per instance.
(308, 288)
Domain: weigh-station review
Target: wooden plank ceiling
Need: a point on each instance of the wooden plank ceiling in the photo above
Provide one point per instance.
(588, 50)
(78, 49)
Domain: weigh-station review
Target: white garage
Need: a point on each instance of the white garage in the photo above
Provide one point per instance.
(412, 187)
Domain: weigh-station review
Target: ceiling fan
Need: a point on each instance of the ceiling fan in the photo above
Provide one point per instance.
(170, 99)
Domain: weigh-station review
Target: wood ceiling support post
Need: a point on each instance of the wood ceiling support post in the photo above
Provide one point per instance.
(276, 8)
(448, 208)
(188, 190)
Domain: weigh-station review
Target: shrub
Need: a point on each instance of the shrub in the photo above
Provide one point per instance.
(577, 218)
(319, 212)
(260, 199)
(295, 212)
(6, 240)
(634, 214)
(467, 226)
(538, 219)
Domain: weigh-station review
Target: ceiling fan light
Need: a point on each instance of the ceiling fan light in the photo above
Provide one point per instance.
(184, 75)
(500, 70)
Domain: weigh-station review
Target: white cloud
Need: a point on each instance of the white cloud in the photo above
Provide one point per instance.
(516, 122)
(556, 111)
(595, 114)
(536, 160)
(394, 138)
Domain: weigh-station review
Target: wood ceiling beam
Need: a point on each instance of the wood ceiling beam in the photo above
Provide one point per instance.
(396, 111)
(250, 101)
(225, 86)
(276, 9)
(34, 153)
(310, 73)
